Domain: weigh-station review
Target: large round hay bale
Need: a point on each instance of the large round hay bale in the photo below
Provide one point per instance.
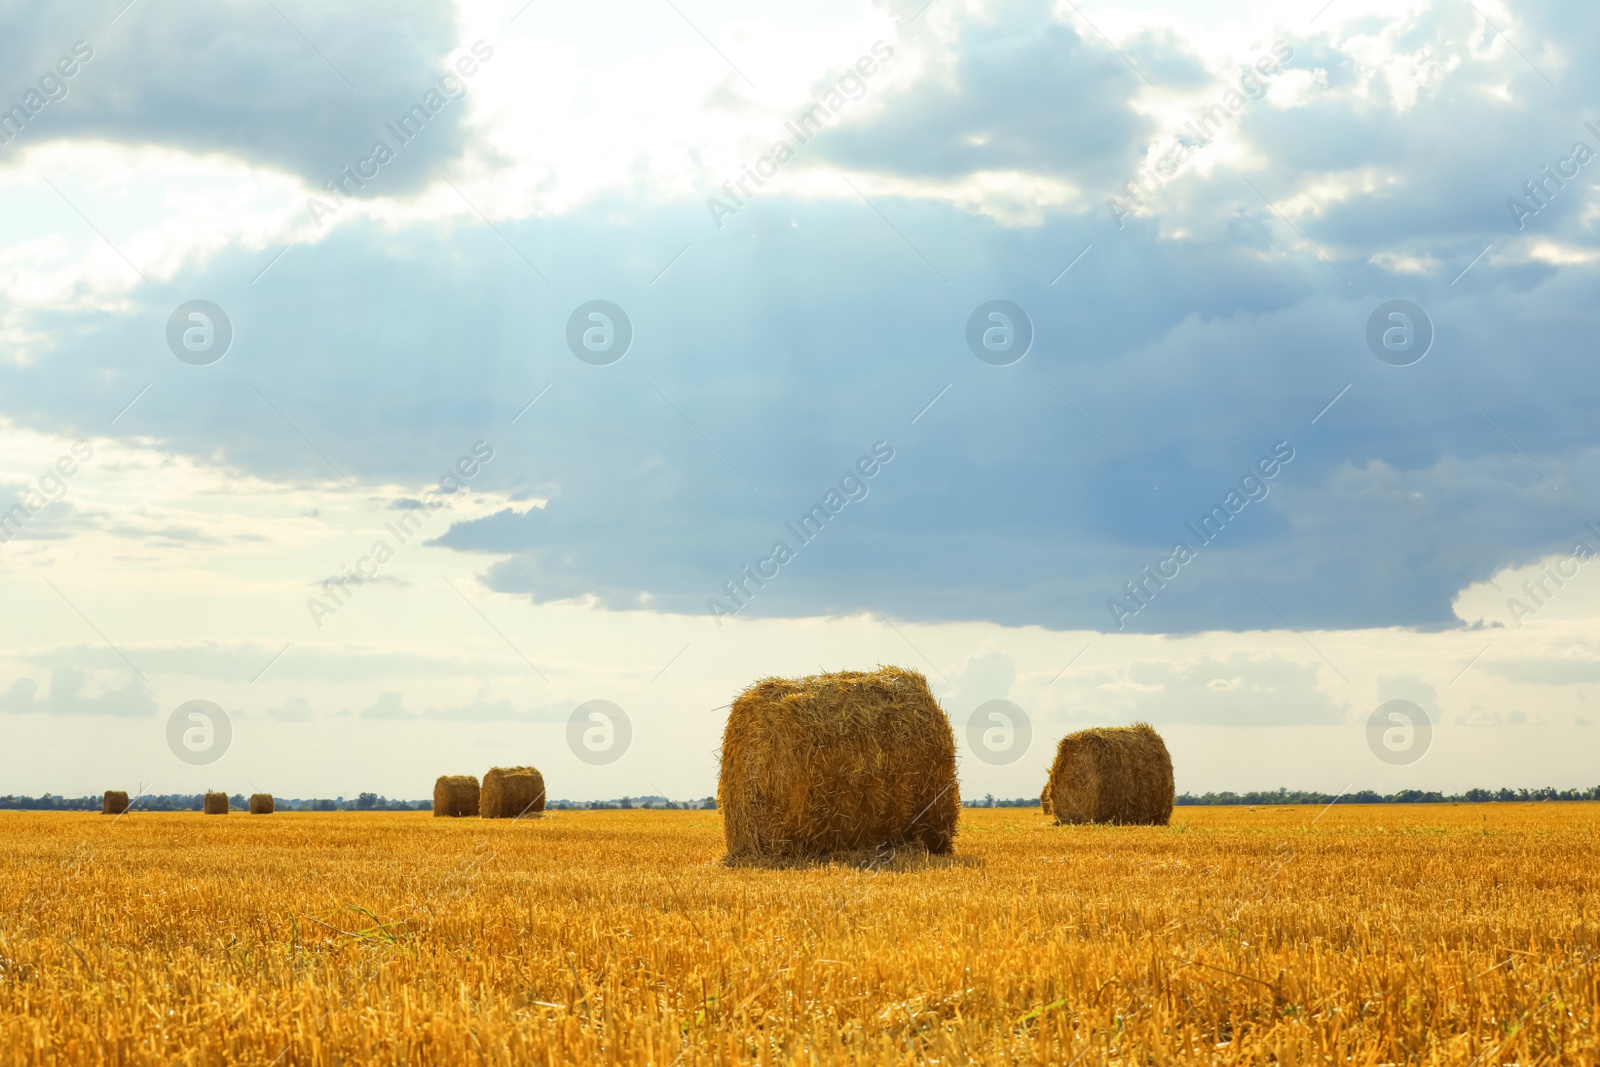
(1044, 799)
(455, 795)
(838, 763)
(261, 804)
(1115, 774)
(216, 803)
(114, 803)
(511, 793)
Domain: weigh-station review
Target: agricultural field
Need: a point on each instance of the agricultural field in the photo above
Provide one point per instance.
(1363, 935)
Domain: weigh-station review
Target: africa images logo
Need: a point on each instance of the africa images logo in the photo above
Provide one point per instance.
(199, 732)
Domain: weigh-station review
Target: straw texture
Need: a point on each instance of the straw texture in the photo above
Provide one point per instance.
(455, 795)
(1116, 774)
(511, 793)
(838, 763)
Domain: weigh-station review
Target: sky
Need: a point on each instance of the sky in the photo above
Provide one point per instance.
(431, 386)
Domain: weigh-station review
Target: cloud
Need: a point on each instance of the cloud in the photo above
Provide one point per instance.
(1000, 90)
(302, 88)
(1409, 687)
(66, 696)
(1479, 716)
(387, 706)
(986, 676)
(1546, 670)
(390, 705)
(1236, 690)
(781, 347)
(1004, 502)
(243, 660)
(347, 583)
(295, 709)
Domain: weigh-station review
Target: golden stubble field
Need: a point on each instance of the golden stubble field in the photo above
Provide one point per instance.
(1387, 934)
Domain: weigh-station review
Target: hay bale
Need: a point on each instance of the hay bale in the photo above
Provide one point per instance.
(261, 804)
(1117, 774)
(216, 803)
(511, 793)
(114, 803)
(455, 795)
(1044, 799)
(838, 763)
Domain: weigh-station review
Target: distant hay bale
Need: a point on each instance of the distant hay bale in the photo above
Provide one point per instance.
(1044, 799)
(115, 802)
(455, 795)
(511, 792)
(216, 803)
(261, 804)
(838, 763)
(1116, 774)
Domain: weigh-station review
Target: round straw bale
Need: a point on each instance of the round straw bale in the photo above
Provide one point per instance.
(455, 795)
(1115, 774)
(838, 763)
(261, 804)
(1044, 799)
(511, 793)
(216, 803)
(115, 802)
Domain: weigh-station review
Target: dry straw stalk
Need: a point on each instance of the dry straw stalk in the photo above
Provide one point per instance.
(1114, 774)
(455, 795)
(839, 763)
(125, 952)
(511, 793)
